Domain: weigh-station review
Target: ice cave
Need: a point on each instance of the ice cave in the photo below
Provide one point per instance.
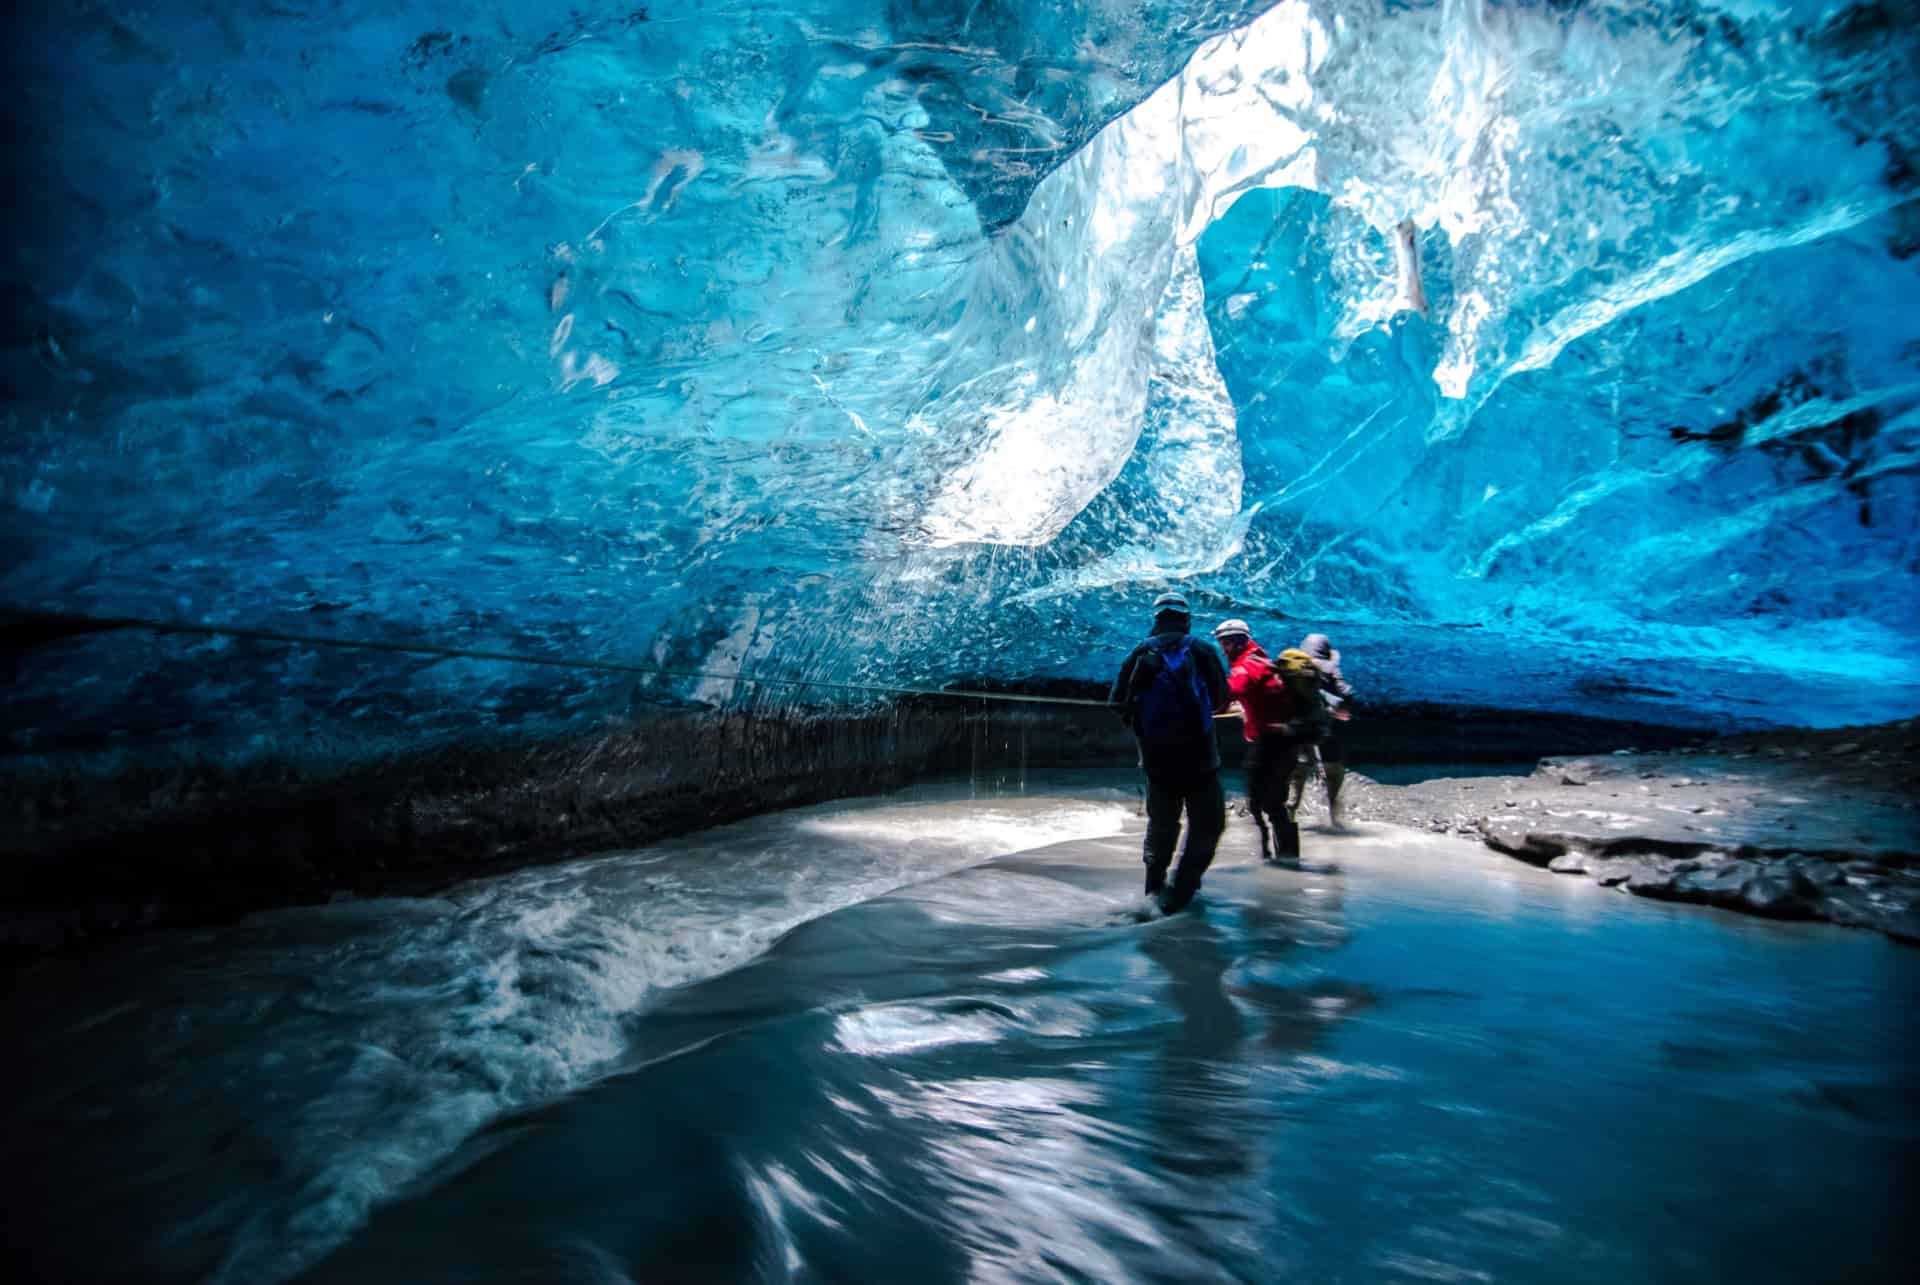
(565, 568)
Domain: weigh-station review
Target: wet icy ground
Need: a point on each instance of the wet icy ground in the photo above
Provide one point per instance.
(843, 1042)
(1793, 825)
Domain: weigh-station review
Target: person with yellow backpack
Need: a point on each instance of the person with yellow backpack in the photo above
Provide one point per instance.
(1313, 669)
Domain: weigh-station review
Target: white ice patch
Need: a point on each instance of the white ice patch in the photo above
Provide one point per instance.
(1094, 265)
(1191, 469)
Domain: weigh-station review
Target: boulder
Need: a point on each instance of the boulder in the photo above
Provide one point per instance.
(1652, 878)
(1780, 894)
(1611, 872)
(1847, 906)
(1817, 870)
(1717, 884)
(1517, 837)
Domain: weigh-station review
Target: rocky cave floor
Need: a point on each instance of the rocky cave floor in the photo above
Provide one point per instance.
(1794, 825)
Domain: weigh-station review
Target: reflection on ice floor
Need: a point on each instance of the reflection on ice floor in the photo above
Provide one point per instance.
(1409, 1059)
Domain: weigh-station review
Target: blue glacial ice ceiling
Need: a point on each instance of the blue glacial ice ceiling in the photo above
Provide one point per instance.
(1559, 355)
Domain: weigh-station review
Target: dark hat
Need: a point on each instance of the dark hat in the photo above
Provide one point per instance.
(1170, 601)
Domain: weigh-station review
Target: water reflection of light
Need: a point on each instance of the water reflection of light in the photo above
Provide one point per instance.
(993, 831)
(1018, 975)
(1031, 1175)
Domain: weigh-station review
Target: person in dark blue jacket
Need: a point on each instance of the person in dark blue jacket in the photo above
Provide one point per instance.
(1168, 691)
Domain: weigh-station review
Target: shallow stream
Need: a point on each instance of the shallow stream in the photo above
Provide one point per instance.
(922, 1038)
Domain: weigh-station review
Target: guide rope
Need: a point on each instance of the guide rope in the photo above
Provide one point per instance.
(49, 626)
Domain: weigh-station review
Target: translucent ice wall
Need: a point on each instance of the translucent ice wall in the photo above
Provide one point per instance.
(927, 340)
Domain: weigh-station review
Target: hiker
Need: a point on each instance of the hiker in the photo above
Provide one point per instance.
(1337, 696)
(1267, 723)
(1167, 693)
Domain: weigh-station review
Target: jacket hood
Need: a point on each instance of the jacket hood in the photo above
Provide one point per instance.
(1319, 647)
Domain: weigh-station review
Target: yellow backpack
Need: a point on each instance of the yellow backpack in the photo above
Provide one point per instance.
(1302, 677)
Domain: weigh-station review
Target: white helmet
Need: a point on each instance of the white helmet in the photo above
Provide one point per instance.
(1228, 628)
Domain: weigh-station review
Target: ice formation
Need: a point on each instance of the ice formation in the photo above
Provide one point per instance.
(1556, 355)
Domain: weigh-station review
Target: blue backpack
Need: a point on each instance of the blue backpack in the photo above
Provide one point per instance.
(1174, 711)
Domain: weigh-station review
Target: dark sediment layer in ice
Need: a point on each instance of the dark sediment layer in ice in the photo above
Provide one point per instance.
(1791, 825)
(197, 842)
(89, 855)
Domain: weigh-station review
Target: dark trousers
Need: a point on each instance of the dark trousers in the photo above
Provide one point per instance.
(1206, 807)
(1270, 764)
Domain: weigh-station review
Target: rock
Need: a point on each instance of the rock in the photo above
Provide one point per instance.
(1569, 863)
(1717, 885)
(1904, 926)
(1516, 837)
(1817, 870)
(1780, 894)
(1611, 872)
(1850, 910)
(1650, 880)
(1845, 747)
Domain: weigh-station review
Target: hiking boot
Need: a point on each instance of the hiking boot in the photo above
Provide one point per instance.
(1176, 898)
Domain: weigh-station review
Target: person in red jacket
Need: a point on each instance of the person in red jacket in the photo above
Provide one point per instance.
(1267, 721)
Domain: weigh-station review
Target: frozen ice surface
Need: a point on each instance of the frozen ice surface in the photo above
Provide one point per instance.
(924, 341)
